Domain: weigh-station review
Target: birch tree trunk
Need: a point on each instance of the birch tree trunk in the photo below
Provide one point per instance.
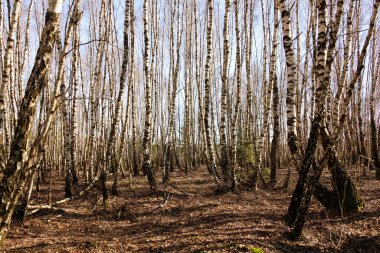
(374, 143)
(232, 178)
(276, 101)
(14, 17)
(68, 127)
(291, 78)
(223, 99)
(207, 95)
(15, 175)
(308, 180)
(147, 156)
(176, 69)
(111, 147)
(133, 91)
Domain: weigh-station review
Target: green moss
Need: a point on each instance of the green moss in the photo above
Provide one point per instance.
(266, 173)
(256, 250)
(246, 153)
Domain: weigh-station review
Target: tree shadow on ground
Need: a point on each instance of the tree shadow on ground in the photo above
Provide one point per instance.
(56, 247)
(363, 244)
(286, 247)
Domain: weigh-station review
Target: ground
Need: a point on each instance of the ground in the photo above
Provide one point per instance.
(190, 217)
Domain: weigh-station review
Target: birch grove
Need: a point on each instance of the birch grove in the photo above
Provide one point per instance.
(264, 95)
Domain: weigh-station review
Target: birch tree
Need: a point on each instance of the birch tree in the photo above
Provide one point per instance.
(6, 70)
(147, 156)
(16, 174)
(207, 95)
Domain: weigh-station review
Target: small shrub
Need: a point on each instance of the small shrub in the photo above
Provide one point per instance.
(266, 173)
(245, 153)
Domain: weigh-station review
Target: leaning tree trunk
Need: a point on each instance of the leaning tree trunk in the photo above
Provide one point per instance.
(306, 183)
(344, 198)
(308, 180)
(344, 191)
(352, 200)
(15, 176)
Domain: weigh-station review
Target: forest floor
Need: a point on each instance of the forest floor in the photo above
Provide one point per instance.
(192, 218)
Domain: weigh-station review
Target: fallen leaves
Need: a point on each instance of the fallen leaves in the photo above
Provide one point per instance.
(194, 220)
